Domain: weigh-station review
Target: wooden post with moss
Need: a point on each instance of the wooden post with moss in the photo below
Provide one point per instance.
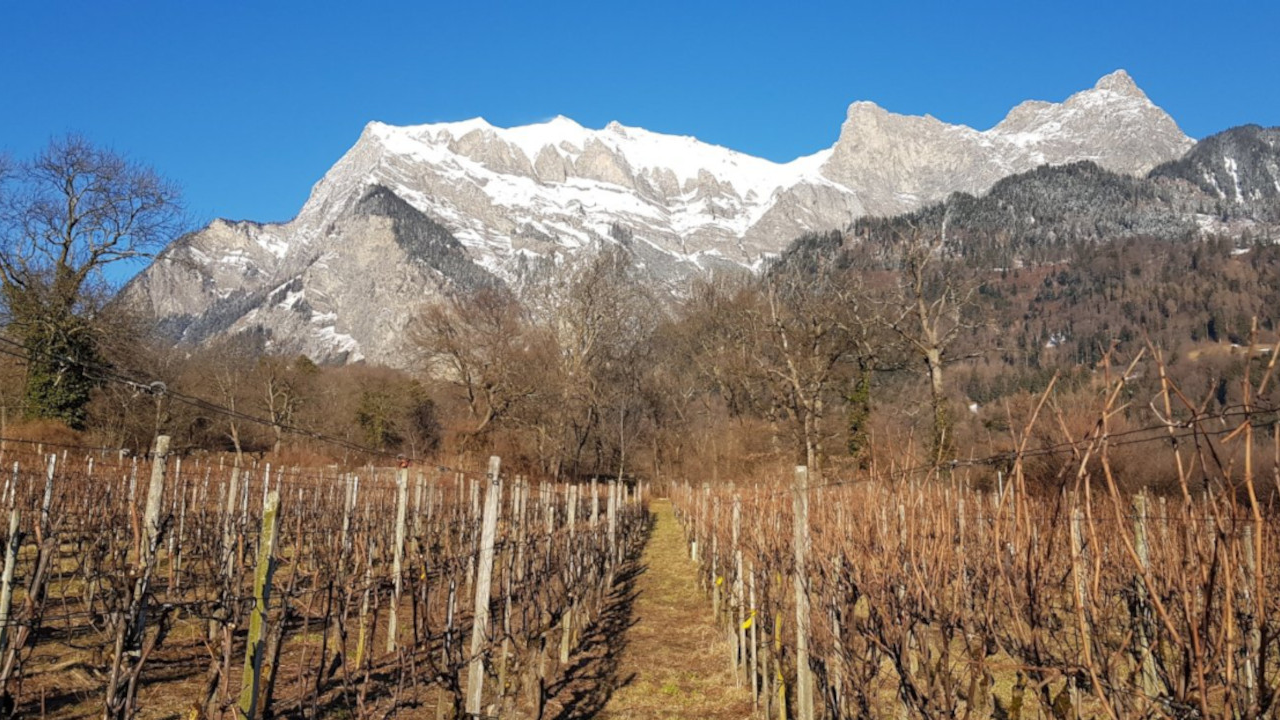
(255, 646)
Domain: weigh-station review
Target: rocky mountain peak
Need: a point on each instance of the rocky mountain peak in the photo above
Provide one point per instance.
(864, 109)
(1121, 83)
(898, 162)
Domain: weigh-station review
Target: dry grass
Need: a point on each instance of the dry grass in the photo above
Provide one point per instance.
(676, 664)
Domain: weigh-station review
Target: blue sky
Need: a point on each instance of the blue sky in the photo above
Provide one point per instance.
(246, 104)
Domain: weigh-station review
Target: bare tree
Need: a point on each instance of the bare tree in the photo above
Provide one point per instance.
(224, 371)
(600, 314)
(927, 312)
(484, 345)
(786, 347)
(65, 215)
(284, 385)
(814, 340)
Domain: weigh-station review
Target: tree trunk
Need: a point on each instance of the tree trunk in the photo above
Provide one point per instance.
(941, 440)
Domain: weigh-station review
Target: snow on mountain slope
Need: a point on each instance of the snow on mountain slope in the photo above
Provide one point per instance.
(1240, 167)
(559, 186)
(494, 204)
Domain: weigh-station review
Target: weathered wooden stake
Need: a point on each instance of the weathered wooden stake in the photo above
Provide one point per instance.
(1144, 557)
(151, 532)
(804, 674)
(12, 545)
(228, 522)
(740, 646)
(595, 503)
(484, 578)
(1253, 639)
(397, 555)
(613, 525)
(754, 643)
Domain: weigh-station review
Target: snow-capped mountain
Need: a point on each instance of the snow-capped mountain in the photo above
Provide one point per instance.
(409, 212)
(557, 186)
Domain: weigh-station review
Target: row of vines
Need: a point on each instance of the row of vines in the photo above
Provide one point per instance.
(162, 588)
(961, 592)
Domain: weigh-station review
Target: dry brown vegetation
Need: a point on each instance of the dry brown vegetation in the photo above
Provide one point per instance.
(934, 593)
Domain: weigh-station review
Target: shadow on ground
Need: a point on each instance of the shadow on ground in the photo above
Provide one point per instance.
(589, 681)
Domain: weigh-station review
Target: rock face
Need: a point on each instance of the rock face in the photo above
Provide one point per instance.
(898, 163)
(343, 296)
(410, 212)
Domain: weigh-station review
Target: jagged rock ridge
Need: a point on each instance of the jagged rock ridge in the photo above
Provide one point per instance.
(899, 163)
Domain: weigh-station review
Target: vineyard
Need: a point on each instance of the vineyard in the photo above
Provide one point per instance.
(953, 592)
(162, 588)
(1030, 583)
(563, 422)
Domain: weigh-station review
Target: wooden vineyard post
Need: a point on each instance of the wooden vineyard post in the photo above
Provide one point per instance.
(151, 534)
(133, 507)
(254, 646)
(348, 507)
(397, 556)
(475, 550)
(42, 531)
(740, 637)
(228, 523)
(567, 620)
(484, 577)
(1253, 639)
(695, 533)
(571, 499)
(595, 504)
(804, 674)
(613, 526)
(522, 494)
(1081, 583)
(12, 545)
(716, 579)
(1144, 558)
(754, 644)
(266, 484)
(175, 498)
(419, 487)
(780, 682)
(129, 654)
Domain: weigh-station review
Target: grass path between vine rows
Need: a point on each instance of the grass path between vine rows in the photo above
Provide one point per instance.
(676, 661)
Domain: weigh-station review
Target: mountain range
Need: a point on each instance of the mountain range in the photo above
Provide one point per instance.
(409, 213)
(1228, 186)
